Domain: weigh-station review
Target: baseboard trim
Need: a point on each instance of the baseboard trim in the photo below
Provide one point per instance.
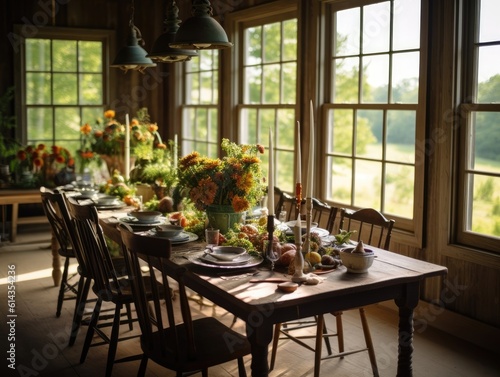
(465, 328)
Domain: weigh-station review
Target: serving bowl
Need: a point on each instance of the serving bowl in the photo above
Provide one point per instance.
(107, 200)
(357, 263)
(226, 253)
(146, 216)
(168, 231)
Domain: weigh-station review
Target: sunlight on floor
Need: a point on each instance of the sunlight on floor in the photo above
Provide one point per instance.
(40, 274)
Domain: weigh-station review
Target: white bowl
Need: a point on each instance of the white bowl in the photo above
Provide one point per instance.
(168, 231)
(147, 217)
(107, 200)
(227, 253)
(357, 263)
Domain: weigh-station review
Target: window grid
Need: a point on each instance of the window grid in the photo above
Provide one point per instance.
(200, 110)
(374, 177)
(269, 93)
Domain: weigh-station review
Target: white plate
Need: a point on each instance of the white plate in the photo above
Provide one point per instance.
(184, 237)
(252, 262)
(291, 224)
(242, 259)
(135, 222)
(319, 231)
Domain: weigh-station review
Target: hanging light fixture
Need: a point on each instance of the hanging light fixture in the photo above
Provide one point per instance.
(201, 31)
(161, 51)
(132, 56)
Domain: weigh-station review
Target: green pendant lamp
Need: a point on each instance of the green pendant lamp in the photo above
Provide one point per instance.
(132, 56)
(161, 51)
(201, 31)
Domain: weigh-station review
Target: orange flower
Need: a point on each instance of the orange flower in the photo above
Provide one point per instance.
(109, 114)
(86, 129)
(134, 122)
(22, 155)
(153, 128)
(38, 162)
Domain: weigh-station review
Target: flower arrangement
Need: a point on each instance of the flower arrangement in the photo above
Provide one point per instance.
(234, 180)
(107, 138)
(34, 159)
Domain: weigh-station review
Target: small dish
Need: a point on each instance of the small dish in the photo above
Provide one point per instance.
(107, 200)
(146, 216)
(288, 287)
(303, 224)
(168, 231)
(226, 253)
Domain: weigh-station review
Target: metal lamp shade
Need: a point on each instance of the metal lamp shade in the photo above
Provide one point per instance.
(201, 31)
(163, 53)
(132, 56)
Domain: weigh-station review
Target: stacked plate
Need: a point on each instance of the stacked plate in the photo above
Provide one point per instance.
(182, 237)
(227, 257)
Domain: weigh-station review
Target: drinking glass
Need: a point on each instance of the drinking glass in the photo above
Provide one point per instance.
(212, 237)
(272, 254)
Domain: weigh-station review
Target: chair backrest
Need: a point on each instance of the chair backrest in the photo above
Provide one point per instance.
(372, 227)
(323, 214)
(53, 206)
(147, 260)
(90, 242)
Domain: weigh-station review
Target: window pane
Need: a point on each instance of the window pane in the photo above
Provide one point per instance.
(188, 124)
(340, 185)
(267, 119)
(272, 43)
(485, 142)
(406, 33)
(90, 56)
(290, 40)
(345, 85)
(399, 190)
(375, 78)
(488, 29)
(368, 183)
(253, 84)
(40, 122)
(284, 162)
(208, 95)
(37, 54)
(405, 74)
(272, 83)
(65, 89)
(343, 128)
(376, 27)
(253, 50)
(91, 90)
(38, 89)
(484, 216)
(248, 126)
(289, 83)
(285, 133)
(67, 122)
(192, 88)
(488, 80)
(401, 136)
(347, 32)
(369, 131)
(64, 56)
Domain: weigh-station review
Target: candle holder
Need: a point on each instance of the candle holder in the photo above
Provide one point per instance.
(298, 260)
(271, 255)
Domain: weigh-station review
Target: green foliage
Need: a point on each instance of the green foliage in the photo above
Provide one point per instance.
(8, 144)
(485, 190)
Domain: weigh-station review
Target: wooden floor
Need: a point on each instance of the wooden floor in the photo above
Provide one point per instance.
(41, 338)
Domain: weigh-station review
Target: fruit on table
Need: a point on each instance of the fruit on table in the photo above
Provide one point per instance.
(313, 257)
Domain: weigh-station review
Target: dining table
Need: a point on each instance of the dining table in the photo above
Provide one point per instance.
(261, 305)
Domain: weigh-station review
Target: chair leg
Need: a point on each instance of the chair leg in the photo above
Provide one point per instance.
(319, 343)
(241, 368)
(113, 341)
(90, 330)
(369, 342)
(327, 338)
(340, 331)
(142, 366)
(129, 317)
(81, 300)
(62, 287)
(276, 337)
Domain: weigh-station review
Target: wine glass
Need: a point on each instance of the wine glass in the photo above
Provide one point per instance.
(272, 254)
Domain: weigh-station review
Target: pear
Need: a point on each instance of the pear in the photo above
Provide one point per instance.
(359, 248)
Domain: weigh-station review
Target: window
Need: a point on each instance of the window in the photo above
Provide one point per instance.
(64, 84)
(200, 114)
(268, 96)
(478, 206)
(375, 109)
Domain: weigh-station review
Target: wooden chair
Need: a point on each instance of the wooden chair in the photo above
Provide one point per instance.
(373, 229)
(52, 208)
(184, 346)
(109, 285)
